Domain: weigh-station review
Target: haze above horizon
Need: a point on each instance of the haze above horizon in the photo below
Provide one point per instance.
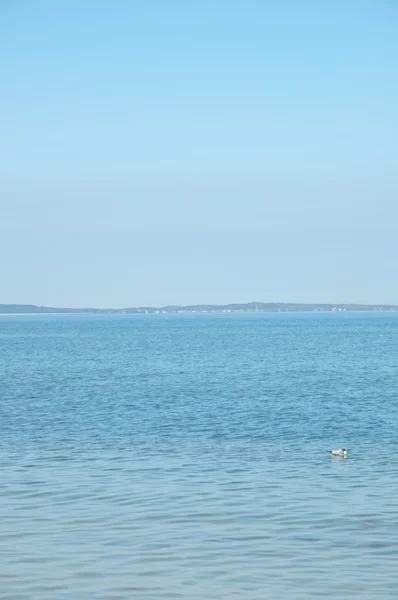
(166, 153)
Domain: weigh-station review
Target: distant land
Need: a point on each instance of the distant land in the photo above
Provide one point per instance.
(250, 307)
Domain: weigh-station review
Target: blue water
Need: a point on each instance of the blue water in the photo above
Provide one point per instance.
(185, 457)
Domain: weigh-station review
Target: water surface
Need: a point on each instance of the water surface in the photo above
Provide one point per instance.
(185, 457)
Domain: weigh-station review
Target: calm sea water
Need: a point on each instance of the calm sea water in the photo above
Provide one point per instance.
(166, 457)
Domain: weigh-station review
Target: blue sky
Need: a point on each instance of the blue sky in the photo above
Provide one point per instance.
(209, 151)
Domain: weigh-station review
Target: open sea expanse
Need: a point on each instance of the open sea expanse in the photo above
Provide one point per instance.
(185, 457)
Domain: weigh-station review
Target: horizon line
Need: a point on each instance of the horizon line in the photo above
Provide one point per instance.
(254, 305)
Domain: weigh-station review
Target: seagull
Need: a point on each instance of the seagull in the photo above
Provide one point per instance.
(339, 452)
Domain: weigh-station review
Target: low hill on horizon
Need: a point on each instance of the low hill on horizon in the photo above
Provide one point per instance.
(10, 309)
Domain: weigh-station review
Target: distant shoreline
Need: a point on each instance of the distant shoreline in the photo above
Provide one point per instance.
(252, 307)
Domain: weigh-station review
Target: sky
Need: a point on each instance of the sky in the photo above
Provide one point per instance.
(211, 151)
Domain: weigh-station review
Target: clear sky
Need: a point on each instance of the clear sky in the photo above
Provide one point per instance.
(174, 151)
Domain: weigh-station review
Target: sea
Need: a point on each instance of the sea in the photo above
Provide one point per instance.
(186, 456)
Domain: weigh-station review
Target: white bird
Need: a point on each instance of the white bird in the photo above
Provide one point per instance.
(339, 452)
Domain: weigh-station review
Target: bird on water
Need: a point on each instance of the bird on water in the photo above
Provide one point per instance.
(339, 452)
